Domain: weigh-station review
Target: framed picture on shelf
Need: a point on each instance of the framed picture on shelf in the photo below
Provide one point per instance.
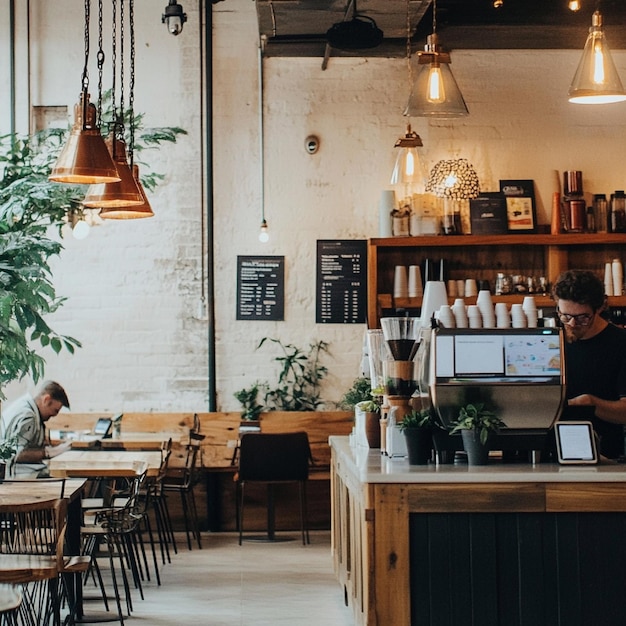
(520, 205)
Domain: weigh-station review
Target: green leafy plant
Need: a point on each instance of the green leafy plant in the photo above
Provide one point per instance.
(368, 406)
(298, 387)
(8, 448)
(417, 419)
(361, 391)
(476, 417)
(249, 401)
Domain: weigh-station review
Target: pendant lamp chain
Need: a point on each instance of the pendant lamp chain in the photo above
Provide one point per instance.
(131, 87)
(100, 60)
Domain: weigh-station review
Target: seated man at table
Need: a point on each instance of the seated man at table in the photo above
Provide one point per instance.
(24, 421)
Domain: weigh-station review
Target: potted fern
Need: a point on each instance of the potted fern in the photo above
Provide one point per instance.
(8, 448)
(417, 427)
(477, 426)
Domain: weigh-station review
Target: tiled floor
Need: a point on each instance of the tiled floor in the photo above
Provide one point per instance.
(260, 584)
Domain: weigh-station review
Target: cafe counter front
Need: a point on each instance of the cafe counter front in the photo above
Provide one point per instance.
(497, 545)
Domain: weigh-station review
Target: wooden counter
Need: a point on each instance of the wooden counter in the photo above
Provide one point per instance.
(498, 545)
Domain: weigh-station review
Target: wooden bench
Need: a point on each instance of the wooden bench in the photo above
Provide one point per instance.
(221, 434)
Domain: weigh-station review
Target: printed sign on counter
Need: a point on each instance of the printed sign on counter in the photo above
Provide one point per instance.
(261, 288)
(341, 282)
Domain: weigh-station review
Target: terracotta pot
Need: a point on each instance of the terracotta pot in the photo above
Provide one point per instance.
(372, 429)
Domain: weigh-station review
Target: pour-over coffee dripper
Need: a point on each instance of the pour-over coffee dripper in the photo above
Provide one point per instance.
(402, 336)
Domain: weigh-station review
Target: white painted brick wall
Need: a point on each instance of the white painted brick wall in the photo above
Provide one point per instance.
(133, 287)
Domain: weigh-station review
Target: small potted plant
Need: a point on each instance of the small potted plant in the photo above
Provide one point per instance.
(417, 428)
(477, 426)
(249, 401)
(8, 448)
(370, 409)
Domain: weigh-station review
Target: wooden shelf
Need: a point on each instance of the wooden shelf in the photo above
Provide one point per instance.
(482, 257)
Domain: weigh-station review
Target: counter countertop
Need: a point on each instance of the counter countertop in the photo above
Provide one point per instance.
(370, 466)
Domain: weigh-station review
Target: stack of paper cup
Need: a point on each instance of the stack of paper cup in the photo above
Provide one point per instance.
(503, 317)
(460, 288)
(471, 287)
(435, 296)
(400, 282)
(415, 281)
(460, 313)
(529, 307)
(445, 316)
(518, 317)
(485, 304)
(474, 316)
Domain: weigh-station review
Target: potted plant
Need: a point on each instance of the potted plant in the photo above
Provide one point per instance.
(249, 401)
(369, 412)
(477, 426)
(366, 406)
(8, 448)
(417, 428)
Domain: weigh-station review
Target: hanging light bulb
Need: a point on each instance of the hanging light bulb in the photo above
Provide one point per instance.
(264, 235)
(596, 80)
(435, 92)
(84, 159)
(573, 5)
(407, 168)
(174, 17)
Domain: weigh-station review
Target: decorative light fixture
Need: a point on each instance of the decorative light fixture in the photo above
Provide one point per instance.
(130, 212)
(264, 235)
(596, 80)
(408, 167)
(573, 5)
(85, 159)
(80, 220)
(456, 182)
(127, 193)
(174, 18)
(435, 92)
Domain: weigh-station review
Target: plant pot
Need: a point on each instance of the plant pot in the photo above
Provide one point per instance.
(372, 429)
(477, 452)
(419, 444)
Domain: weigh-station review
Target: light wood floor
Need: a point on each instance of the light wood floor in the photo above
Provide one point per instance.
(224, 584)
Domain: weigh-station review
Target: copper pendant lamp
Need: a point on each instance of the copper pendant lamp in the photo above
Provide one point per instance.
(122, 193)
(84, 158)
(136, 211)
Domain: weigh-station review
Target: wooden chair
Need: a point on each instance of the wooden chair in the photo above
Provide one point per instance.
(31, 548)
(274, 458)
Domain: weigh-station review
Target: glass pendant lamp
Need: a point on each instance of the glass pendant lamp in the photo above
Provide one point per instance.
(435, 92)
(596, 80)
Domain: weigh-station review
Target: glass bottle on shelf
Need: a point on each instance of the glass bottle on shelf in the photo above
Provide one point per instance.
(600, 212)
(618, 212)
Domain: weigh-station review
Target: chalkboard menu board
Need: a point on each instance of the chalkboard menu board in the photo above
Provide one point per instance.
(261, 288)
(341, 282)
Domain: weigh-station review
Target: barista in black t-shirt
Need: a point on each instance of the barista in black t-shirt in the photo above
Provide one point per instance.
(595, 359)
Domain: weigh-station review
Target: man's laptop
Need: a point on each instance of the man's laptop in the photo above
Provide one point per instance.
(101, 430)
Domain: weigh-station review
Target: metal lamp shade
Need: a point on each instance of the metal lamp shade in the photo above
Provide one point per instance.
(84, 159)
(130, 212)
(124, 193)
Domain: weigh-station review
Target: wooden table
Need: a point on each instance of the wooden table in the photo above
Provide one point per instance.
(105, 463)
(139, 441)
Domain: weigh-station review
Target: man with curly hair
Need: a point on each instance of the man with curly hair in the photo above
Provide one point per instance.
(595, 358)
